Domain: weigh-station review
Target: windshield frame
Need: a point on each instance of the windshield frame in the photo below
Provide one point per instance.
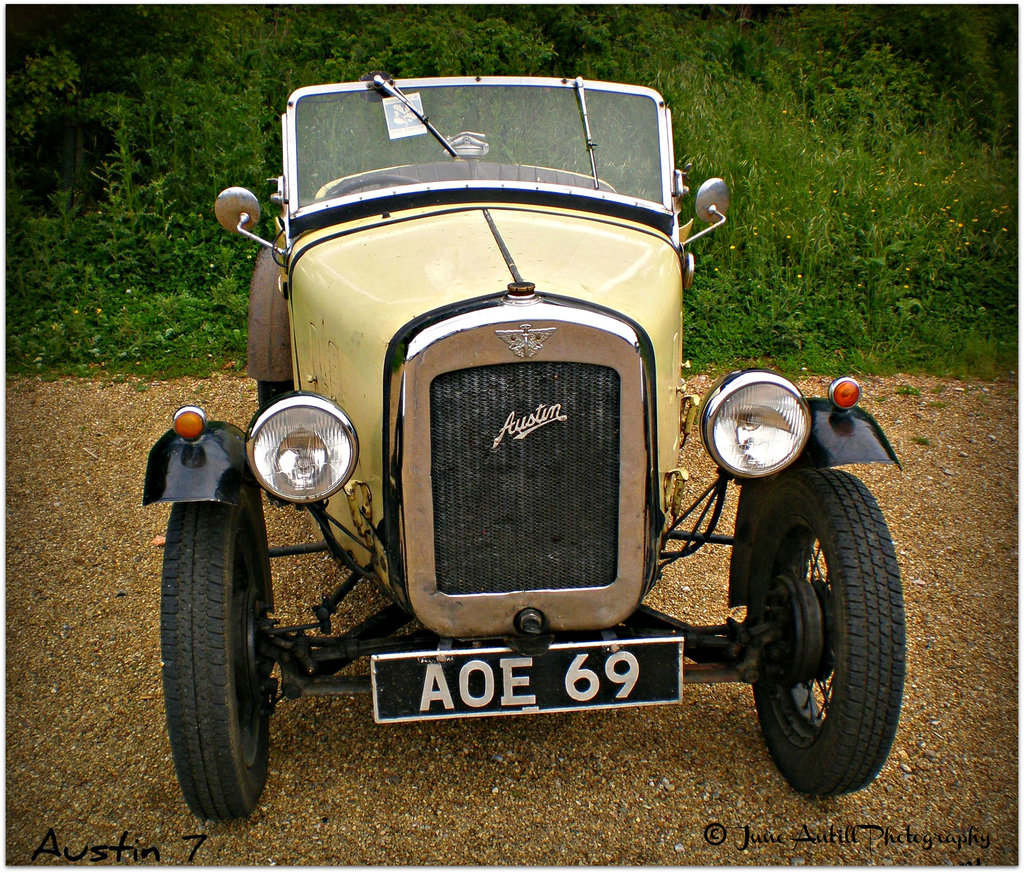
(314, 214)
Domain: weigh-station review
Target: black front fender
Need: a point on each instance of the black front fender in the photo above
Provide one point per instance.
(208, 468)
(849, 437)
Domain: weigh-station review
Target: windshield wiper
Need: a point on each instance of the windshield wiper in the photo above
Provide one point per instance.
(591, 145)
(392, 90)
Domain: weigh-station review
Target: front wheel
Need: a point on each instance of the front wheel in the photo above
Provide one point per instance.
(831, 685)
(216, 587)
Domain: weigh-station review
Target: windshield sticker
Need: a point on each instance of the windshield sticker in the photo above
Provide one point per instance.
(401, 121)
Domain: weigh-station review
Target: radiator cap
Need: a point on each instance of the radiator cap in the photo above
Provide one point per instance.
(522, 290)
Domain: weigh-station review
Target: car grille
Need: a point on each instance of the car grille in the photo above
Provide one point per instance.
(540, 512)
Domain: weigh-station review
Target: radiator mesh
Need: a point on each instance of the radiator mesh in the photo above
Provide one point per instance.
(540, 512)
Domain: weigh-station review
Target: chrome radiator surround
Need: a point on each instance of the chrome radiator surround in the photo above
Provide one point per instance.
(497, 331)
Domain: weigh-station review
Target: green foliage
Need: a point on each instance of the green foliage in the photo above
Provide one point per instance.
(970, 52)
(872, 154)
(37, 92)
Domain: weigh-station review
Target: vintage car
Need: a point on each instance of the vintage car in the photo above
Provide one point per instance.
(466, 334)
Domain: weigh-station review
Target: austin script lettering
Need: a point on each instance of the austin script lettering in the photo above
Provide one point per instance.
(518, 428)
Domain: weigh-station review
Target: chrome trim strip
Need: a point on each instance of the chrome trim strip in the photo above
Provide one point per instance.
(583, 336)
(463, 81)
(286, 192)
(481, 185)
(473, 207)
(536, 311)
(416, 197)
(611, 644)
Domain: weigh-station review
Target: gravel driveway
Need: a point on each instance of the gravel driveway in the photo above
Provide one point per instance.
(89, 765)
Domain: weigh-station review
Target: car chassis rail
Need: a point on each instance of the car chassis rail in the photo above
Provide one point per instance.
(310, 663)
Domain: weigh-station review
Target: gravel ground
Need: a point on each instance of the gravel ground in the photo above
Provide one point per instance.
(88, 756)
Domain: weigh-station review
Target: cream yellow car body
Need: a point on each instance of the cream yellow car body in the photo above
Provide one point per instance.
(352, 286)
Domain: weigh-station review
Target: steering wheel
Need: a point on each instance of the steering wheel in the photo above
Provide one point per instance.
(381, 180)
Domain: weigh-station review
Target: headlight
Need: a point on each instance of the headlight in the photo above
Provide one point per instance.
(754, 423)
(302, 448)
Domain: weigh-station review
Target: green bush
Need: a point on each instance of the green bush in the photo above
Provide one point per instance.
(873, 166)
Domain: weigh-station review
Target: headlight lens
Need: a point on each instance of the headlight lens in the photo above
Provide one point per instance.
(302, 448)
(754, 423)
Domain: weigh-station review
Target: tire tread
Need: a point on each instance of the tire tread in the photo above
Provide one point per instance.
(865, 714)
(198, 685)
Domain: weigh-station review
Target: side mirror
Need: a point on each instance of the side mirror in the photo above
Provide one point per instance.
(712, 201)
(237, 209)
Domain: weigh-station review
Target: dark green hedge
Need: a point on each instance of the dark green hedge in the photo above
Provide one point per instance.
(872, 152)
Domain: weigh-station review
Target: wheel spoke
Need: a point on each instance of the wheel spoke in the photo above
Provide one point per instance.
(820, 580)
(825, 691)
(816, 577)
(816, 711)
(808, 702)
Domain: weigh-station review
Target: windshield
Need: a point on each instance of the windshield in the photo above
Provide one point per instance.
(356, 139)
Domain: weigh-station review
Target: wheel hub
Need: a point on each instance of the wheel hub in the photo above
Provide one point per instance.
(795, 607)
(263, 660)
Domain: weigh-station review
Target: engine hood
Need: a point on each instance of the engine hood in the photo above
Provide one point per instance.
(425, 259)
(353, 286)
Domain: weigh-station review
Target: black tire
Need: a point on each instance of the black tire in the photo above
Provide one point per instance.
(830, 692)
(267, 391)
(216, 585)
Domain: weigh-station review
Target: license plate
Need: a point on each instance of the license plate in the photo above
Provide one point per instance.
(455, 683)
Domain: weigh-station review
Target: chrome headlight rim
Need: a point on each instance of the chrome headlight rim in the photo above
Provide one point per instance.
(295, 400)
(724, 388)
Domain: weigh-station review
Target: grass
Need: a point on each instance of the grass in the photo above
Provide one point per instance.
(873, 254)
